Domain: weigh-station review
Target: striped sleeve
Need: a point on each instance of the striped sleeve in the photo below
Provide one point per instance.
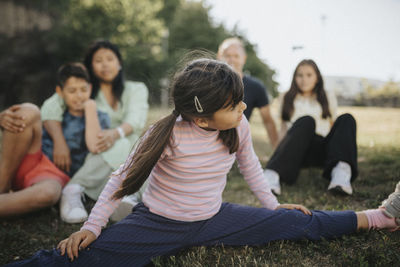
(105, 205)
(250, 167)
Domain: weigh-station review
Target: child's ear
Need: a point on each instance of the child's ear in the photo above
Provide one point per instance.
(201, 122)
(59, 91)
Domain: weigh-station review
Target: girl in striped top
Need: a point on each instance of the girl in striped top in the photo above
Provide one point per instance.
(185, 157)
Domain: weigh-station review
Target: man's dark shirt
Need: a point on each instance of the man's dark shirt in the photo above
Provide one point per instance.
(255, 94)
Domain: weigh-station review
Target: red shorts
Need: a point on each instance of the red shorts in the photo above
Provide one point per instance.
(37, 167)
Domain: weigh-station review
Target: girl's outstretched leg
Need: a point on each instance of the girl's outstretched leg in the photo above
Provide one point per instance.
(134, 241)
(242, 225)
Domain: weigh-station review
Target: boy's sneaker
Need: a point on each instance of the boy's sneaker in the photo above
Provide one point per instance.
(392, 205)
(340, 181)
(71, 206)
(273, 181)
(125, 207)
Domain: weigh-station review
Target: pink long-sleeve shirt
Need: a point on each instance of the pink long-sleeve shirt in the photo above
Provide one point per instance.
(187, 182)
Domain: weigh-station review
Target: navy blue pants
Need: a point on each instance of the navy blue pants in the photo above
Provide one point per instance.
(142, 235)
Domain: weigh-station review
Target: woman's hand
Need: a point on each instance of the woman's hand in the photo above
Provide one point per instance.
(106, 139)
(11, 121)
(75, 242)
(294, 207)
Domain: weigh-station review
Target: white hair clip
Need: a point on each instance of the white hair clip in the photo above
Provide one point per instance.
(199, 108)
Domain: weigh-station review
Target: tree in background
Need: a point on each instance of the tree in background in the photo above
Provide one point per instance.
(192, 28)
(258, 68)
(34, 55)
(152, 35)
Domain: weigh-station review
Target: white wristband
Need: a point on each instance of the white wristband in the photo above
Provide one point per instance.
(121, 132)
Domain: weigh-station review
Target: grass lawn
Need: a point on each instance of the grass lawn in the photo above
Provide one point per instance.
(379, 165)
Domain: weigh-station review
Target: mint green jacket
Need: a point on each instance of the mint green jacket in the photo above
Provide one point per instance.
(132, 109)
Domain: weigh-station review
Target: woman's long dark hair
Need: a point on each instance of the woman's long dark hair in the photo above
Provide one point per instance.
(319, 91)
(216, 85)
(118, 82)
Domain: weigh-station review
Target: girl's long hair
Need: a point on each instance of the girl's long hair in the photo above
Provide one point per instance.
(319, 91)
(216, 85)
(118, 82)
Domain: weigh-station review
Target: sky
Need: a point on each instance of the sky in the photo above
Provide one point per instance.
(359, 38)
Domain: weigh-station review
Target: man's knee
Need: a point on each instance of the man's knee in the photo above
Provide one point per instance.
(50, 194)
(30, 112)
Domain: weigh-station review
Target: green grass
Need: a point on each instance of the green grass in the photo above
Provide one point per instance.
(379, 164)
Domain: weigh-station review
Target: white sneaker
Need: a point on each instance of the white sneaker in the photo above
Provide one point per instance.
(71, 206)
(125, 207)
(273, 181)
(340, 181)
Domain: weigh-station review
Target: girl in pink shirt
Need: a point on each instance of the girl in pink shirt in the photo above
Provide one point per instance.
(185, 157)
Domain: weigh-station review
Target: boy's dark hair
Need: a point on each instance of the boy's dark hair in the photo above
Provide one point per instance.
(288, 99)
(118, 83)
(204, 83)
(73, 69)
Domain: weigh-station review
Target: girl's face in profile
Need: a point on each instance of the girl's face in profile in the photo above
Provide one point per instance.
(227, 118)
(105, 65)
(306, 79)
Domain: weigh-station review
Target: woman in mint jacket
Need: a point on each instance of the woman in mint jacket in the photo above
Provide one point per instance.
(126, 104)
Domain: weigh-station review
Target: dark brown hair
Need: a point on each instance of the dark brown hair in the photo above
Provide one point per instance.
(216, 85)
(73, 69)
(319, 91)
(118, 82)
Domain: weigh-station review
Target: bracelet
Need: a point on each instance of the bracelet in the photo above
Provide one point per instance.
(121, 132)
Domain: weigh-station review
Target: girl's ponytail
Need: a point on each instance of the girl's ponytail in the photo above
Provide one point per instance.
(146, 155)
(202, 88)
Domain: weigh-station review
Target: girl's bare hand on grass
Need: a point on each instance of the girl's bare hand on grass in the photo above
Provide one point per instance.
(75, 242)
(294, 207)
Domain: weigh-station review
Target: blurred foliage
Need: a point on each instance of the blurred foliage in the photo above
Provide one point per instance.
(390, 88)
(258, 68)
(387, 95)
(132, 24)
(192, 28)
(152, 35)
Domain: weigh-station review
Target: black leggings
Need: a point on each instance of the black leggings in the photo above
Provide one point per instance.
(302, 147)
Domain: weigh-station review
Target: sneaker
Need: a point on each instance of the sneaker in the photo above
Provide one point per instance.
(125, 207)
(71, 206)
(392, 205)
(340, 189)
(340, 181)
(273, 181)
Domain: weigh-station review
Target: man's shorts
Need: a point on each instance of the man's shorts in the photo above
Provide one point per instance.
(35, 168)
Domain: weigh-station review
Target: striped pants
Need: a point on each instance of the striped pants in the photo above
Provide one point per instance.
(142, 235)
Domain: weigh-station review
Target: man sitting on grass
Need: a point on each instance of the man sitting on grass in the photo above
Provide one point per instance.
(35, 182)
